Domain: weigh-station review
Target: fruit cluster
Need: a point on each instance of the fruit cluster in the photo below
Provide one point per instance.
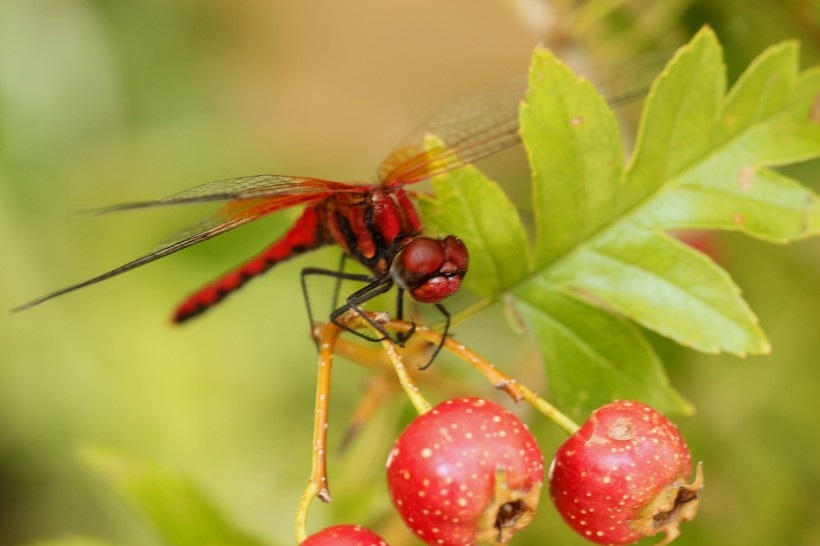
(469, 472)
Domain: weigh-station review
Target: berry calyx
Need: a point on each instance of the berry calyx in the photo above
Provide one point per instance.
(344, 535)
(623, 476)
(466, 472)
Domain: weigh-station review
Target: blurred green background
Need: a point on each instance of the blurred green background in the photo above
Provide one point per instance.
(104, 101)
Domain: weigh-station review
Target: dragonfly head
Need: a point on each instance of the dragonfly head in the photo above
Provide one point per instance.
(430, 269)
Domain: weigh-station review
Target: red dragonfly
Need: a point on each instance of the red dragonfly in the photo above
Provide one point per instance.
(376, 225)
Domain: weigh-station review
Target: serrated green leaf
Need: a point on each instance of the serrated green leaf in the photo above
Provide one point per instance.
(470, 205)
(667, 287)
(677, 180)
(790, 137)
(730, 189)
(181, 514)
(573, 143)
(592, 356)
(805, 91)
(759, 202)
(681, 110)
(760, 92)
(703, 159)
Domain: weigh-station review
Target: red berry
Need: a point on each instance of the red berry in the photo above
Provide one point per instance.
(466, 472)
(344, 535)
(623, 476)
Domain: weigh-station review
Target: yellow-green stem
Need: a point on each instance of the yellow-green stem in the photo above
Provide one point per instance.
(317, 484)
(310, 493)
(419, 402)
(495, 376)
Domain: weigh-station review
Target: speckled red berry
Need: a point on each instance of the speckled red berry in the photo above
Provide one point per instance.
(466, 472)
(623, 476)
(344, 535)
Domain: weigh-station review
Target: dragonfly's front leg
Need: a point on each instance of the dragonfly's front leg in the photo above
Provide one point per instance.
(340, 276)
(354, 301)
(446, 314)
(402, 337)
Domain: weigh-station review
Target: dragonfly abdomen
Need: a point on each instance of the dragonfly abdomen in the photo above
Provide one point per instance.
(306, 234)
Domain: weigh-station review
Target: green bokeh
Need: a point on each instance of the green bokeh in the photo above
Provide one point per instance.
(109, 101)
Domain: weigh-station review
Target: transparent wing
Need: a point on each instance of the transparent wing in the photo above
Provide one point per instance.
(238, 213)
(477, 126)
(241, 188)
(279, 193)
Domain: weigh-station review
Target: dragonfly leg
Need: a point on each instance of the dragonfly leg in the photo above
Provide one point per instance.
(402, 337)
(338, 286)
(354, 301)
(446, 314)
(341, 276)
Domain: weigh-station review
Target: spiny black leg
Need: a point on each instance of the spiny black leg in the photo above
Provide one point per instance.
(338, 286)
(306, 272)
(402, 337)
(306, 297)
(354, 301)
(446, 314)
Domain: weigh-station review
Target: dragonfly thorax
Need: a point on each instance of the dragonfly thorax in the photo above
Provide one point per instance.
(430, 269)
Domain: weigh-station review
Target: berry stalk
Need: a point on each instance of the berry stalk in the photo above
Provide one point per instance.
(517, 391)
(317, 483)
(419, 402)
(354, 320)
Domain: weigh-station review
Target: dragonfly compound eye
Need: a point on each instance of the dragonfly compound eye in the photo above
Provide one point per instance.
(456, 253)
(431, 269)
